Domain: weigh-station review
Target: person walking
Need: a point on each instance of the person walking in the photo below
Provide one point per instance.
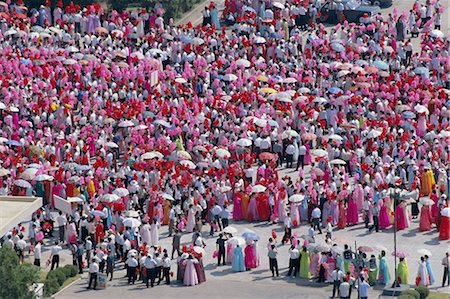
(158, 268)
(37, 254)
(446, 274)
(110, 264)
(61, 220)
(337, 276)
(166, 268)
(54, 257)
(315, 218)
(344, 289)
(294, 257)
(93, 273)
(176, 242)
(132, 264)
(79, 255)
(220, 244)
(301, 157)
(375, 215)
(171, 220)
(273, 263)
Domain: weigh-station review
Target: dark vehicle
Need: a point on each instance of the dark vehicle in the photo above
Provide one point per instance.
(381, 3)
(328, 13)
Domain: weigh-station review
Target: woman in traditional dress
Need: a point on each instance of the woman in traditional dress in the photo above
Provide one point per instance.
(400, 216)
(238, 264)
(383, 217)
(282, 213)
(330, 266)
(244, 203)
(304, 264)
(427, 182)
(384, 276)
(373, 270)
(191, 219)
(425, 219)
(249, 256)
(252, 211)
(352, 212)
(295, 215)
(342, 221)
(190, 274)
(402, 271)
(314, 264)
(237, 208)
(154, 232)
(444, 227)
(326, 209)
(334, 211)
(422, 278)
(430, 270)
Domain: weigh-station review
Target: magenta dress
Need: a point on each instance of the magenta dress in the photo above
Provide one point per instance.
(384, 218)
(252, 211)
(401, 218)
(237, 209)
(352, 212)
(250, 257)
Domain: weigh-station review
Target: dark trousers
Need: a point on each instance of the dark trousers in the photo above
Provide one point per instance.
(171, 226)
(221, 256)
(316, 222)
(321, 274)
(61, 233)
(300, 161)
(92, 277)
(158, 272)
(55, 261)
(37, 262)
(131, 275)
(366, 218)
(375, 225)
(289, 159)
(80, 264)
(446, 277)
(273, 264)
(287, 235)
(177, 250)
(336, 285)
(166, 274)
(224, 222)
(293, 267)
(150, 276)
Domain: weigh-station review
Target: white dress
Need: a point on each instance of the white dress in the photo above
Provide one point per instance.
(191, 221)
(154, 234)
(145, 233)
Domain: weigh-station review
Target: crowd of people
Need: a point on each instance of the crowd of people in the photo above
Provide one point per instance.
(141, 123)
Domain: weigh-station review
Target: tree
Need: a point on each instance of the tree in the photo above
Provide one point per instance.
(16, 279)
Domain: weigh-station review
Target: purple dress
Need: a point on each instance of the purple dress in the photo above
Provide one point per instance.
(237, 209)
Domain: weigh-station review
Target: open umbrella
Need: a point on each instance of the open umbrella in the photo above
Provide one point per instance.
(426, 201)
(110, 198)
(184, 155)
(121, 192)
(400, 253)
(408, 115)
(152, 155)
(244, 142)
(296, 198)
(243, 62)
(289, 133)
(267, 156)
(278, 5)
(225, 189)
(43, 177)
(29, 174)
(236, 241)
(180, 80)
(334, 90)
(111, 144)
(267, 90)
(445, 212)
(4, 171)
(22, 183)
(167, 196)
(374, 134)
(259, 40)
(365, 249)
(187, 163)
(250, 235)
(229, 77)
(126, 124)
(436, 33)
(131, 222)
(381, 65)
(162, 123)
(337, 47)
(258, 189)
(221, 152)
(320, 153)
(309, 136)
(290, 80)
(335, 137)
(98, 213)
(424, 252)
(421, 109)
(338, 162)
(230, 230)
(421, 71)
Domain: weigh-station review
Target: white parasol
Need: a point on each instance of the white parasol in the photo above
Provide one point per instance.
(338, 162)
(221, 152)
(187, 163)
(426, 201)
(258, 189)
(296, 198)
(152, 155)
(131, 222)
(230, 230)
(121, 192)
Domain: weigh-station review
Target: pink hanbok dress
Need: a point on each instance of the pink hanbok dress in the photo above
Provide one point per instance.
(352, 212)
(237, 209)
(250, 257)
(190, 274)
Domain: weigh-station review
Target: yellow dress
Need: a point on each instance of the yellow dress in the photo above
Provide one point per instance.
(426, 183)
(166, 210)
(244, 204)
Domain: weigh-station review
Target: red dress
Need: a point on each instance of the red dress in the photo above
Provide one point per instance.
(262, 205)
(342, 221)
(425, 219)
(444, 229)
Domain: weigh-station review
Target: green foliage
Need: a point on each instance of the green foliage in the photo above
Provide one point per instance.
(70, 270)
(60, 275)
(411, 293)
(423, 291)
(51, 286)
(15, 279)
(406, 297)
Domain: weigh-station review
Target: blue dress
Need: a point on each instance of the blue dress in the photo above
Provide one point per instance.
(238, 260)
(215, 18)
(430, 272)
(385, 276)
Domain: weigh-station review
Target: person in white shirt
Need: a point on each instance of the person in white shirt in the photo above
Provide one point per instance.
(55, 255)
(88, 248)
(93, 273)
(315, 218)
(8, 243)
(344, 290)
(337, 275)
(166, 268)
(150, 267)
(311, 232)
(290, 149)
(132, 264)
(301, 156)
(294, 258)
(171, 220)
(61, 222)
(37, 254)
(21, 246)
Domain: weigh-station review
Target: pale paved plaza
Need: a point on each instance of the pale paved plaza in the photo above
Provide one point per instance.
(222, 283)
